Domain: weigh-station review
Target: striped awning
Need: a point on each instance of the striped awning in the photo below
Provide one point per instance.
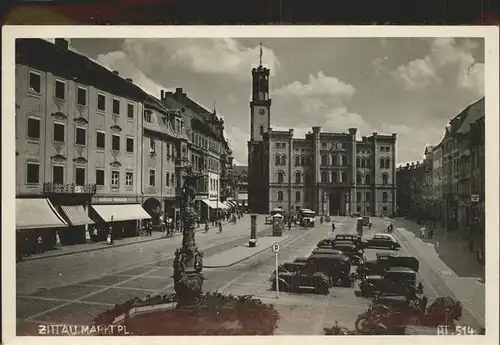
(210, 203)
(37, 214)
(77, 215)
(118, 213)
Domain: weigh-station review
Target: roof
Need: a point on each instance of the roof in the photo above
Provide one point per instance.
(473, 113)
(239, 170)
(65, 63)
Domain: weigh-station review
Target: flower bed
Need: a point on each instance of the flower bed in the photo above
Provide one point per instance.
(217, 315)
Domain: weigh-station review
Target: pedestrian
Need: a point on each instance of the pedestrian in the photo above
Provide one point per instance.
(220, 226)
(39, 241)
(431, 233)
(206, 226)
(422, 232)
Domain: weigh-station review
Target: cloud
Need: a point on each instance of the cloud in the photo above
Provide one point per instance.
(319, 85)
(446, 61)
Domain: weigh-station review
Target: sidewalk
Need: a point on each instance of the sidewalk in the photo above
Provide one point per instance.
(61, 250)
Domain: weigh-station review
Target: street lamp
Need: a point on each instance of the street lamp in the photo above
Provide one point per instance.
(188, 262)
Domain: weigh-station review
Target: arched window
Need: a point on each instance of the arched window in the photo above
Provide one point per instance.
(358, 197)
(358, 162)
(280, 195)
(367, 179)
(382, 163)
(334, 177)
(297, 160)
(384, 197)
(307, 179)
(297, 196)
(278, 160)
(261, 130)
(280, 177)
(344, 160)
(323, 176)
(368, 196)
(283, 160)
(387, 163)
(323, 160)
(298, 178)
(344, 177)
(303, 160)
(363, 163)
(359, 179)
(385, 178)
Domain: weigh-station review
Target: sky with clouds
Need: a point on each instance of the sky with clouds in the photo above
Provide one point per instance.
(411, 86)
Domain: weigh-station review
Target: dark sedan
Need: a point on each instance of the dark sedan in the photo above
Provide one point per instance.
(383, 241)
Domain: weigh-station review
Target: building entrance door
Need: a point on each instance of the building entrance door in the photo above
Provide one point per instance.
(336, 202)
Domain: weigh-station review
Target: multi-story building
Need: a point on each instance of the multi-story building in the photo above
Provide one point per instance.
(78, 140)
(428, 182)
(409, 189)
(319, 171)
(240, 183)
(209, 150)
(437, 182)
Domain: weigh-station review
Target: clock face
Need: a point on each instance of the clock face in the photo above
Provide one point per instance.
(262, 111)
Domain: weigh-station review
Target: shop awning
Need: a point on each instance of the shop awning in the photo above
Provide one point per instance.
(231, 203)
(121, 212)
(37, 214)
(210, 203)
(224, 205)
(77, 215)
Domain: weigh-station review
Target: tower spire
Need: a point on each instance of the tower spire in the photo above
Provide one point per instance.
(260, 55)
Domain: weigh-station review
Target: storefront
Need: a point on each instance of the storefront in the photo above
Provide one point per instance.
(77, 217)
(121, 216)
(37, 219)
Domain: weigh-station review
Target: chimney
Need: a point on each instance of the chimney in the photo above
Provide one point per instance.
(363, 138)
(162, 95)
(116, 72)
(178, 90)
(61, 42)
(129, 80)
(375, 134)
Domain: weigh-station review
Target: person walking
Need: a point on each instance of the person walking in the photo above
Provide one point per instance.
(422, 232)
(39, 242)
(220, 226)
(206, 226)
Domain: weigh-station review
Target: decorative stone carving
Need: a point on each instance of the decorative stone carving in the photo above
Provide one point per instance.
(59, 103)
(115, 118)
(81, 120)
(115, 164)
(115, 154)
(58, 158)
(81, 109)
(59, 116)
(58, 146)
(115, 128)
(80, 160)
(79, 149)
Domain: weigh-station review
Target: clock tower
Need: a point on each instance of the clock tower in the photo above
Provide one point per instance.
(260, 105)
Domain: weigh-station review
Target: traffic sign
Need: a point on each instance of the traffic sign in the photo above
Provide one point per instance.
(276, 247)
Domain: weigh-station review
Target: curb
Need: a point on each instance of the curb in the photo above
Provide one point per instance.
(108, 247)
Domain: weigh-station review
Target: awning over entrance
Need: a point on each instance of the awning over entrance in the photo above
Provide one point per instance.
(121, 212)
(224, 206)
(36, 214)
(77, 215)
(231, 203)
(210, 203)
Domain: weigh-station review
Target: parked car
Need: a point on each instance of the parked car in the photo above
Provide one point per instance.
(383, 263)
(329, 250)
(289, 281)
(353, 238)
(382, 240)
(397, 281)
(350, 250)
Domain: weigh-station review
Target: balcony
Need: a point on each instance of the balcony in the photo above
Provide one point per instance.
(181, 162)
(52, 188)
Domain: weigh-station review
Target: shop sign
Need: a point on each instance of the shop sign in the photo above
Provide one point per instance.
(112, 200)
(474, 198)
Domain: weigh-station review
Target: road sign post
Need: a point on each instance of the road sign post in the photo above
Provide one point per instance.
(276, 249)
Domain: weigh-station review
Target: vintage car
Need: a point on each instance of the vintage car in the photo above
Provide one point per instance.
(329, 250)
(300, 259)
(350, 250)
(353, 238)
(384, 262)
(382, 240)
(307, 217)
(290, 281)
(399, 281)
(336, 266)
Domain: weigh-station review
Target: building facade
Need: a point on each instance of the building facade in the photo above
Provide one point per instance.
(240, 183)
(410, 179)
(437, 182)
(428, 181)
(78, 139)
(332, 173)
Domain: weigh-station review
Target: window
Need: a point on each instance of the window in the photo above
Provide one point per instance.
(101, 102)
(278, 160)
(334, 177)
(387, 163)
(368, 196)
(35, 82)
(283, 145)
(99, 177)
(307, 178)
(358, 196)
(280, 196)
(60, 91)
(115, 179)
(280, 177)
(59, 132)
(382, 163)
(359, 179)
(261, 129)
(283, 160)
(367, 179)
(172, 180)
(297, 196)
(81, 136)
(323, 176)
(297, 160)
(152, 177)
(57, 174)
(129, 179)
(115, 144)
(344, 177)
(381, 149)
(167, 179)
(152, 147)
(81, 97)
(358, 208)
(344, 160)
(147, 116)
(32, 173)
(116, 106)
(80, 176)
(333, 159)
(298, 178)
(385, 179)
(130, 145)
(358, 162)
(100, 140)
(384, 197)
(363, 163)
(130, 111)
(384, 208)
(323, 160)
(33, 128)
